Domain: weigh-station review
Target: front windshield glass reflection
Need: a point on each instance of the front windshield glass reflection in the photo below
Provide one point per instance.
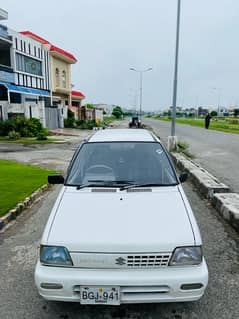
(115, 163)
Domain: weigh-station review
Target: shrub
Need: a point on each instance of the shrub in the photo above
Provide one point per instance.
(12, 135)
(25, 127)
(79, 122)
(91, 124)
(6, 127)
(86, 125)
(69, 122)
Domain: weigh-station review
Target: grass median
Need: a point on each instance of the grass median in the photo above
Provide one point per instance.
(18, 181)
(223, 125)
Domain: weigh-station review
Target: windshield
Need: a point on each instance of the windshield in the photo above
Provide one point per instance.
(116, 164)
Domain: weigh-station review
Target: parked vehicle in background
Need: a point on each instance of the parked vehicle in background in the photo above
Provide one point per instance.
(134, 122)
(122, 229)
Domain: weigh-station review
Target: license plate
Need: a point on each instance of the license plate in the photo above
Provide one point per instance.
(94, 295)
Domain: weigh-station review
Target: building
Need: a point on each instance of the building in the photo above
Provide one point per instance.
(60, 77)
(35, 78)
(91, 114)
(24, 76)
(3, 14)
(106, 108)
(76, 99)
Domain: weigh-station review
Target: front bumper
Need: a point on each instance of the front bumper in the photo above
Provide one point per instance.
(136, 285)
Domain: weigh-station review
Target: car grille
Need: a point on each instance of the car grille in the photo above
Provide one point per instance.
(148, 260)
(125, 261)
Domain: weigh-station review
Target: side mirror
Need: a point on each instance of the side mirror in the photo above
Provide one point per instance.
(183, 177)
(56, 179)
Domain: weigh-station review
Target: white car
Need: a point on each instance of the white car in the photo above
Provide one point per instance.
(121, 230)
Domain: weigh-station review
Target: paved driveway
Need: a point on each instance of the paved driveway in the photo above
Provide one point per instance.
(52, 156)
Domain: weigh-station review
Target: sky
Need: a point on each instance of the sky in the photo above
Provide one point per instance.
(108, 37)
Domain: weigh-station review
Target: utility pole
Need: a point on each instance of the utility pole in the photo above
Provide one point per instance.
(172, 140)
(140, 87)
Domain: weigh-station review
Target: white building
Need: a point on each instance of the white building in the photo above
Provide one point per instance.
(24, 77)
(3, 14)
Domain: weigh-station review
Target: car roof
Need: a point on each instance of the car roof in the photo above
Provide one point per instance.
(123, 135)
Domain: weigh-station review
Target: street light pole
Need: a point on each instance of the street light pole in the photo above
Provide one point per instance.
(140, 93)
(218, 90)
(175, 82)
(140, 87)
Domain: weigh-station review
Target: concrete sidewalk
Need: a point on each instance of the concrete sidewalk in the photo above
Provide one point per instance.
(219, 194)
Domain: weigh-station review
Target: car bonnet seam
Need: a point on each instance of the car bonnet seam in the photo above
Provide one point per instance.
(188, 215)
(56, 211)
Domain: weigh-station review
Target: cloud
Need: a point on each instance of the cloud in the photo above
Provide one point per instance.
(109, 36)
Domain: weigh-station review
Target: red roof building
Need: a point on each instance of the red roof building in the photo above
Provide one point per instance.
(62, 96)
(52, 48)
(77, 94)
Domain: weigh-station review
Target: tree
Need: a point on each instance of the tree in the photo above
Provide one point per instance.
(117, 112)
(236, 112)
(214, 113)
(89, 106)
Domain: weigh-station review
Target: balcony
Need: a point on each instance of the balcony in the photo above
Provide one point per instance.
(6, 74)
(6, 68)
(4, 33)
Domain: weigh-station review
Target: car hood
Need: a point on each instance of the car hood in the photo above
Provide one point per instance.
(137, 221)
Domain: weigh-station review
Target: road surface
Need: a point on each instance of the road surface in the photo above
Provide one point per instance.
(19, 248)
(217, 152)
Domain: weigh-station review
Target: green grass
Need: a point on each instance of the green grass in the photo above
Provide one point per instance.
(109, 119)
(17, 181)
(28, 140)
(215, 124)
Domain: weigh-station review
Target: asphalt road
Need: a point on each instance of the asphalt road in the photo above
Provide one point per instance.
(218, 152)
(19, 248)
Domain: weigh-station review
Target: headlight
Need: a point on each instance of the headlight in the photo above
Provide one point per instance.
(186, 256)
(55, 256)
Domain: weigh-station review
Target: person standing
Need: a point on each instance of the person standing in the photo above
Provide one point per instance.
(207, 120)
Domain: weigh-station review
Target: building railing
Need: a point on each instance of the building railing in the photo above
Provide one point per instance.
(6, 68)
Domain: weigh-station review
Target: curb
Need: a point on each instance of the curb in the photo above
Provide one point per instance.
(224, 201)
(20, 207)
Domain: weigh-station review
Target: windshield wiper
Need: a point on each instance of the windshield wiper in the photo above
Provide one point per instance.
(88, 185)
(146, 185)
(105, 183)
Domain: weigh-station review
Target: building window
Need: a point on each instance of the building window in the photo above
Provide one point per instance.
(29, 48)
(57, 77)
(63, 77)
(28, 65)
(15, 98)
